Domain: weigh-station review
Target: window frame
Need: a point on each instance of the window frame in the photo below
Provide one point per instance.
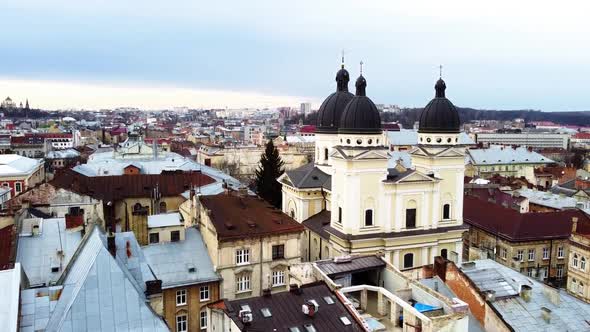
(203, 318)
(243, 256)
(181, 296)
(414, 213)
(560, 252)
(18, 187)
(546, 253)
(204, 290)
(531, 255)
(369, 216)
(409, 254)
(182, 319)
(277, 276)
(174, 236)
(447, 211)
(157, 235)
(242, 281)
(278, 251)
(520, 255)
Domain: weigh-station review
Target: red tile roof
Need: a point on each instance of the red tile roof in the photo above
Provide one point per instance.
(582, 136)
(7, 246)
(236, 217)
(123, 186)
(514, 226)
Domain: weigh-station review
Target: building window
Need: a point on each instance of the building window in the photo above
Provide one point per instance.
(369, 217)
(278, 278)
(137, 207)
(154, 237)
(531, 254)
(174, 236)
(444, 253)
(503, 253)
(560, 271)
(410, 218)
(204, 293)
(203, 320)
(162, 207)
(545, 273)
(583, 263)
(581, 288)
(408, 260)
(243, 283)
(181, 323)
(545, 253)
(530, 272)
(242, 256)
(520, 255)
(560, 252)
(18, 187)
(326, 154)
(575, 261)
(181, 297)
(447, 211)
(278, 251)
(339, 214)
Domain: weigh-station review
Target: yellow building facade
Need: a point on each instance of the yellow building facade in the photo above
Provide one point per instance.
(410, 215)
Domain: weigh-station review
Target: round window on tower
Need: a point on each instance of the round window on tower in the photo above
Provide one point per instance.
(449, 140)
(348, 141)
(428, 140)
(456, 139)
(370, 141)
(359, 141)
(438, 140)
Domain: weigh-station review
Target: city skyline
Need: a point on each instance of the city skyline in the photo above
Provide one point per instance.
(528, 55)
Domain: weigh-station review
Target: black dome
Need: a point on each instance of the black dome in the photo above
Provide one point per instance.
(360, 115)
(440, 115)
(331, 110)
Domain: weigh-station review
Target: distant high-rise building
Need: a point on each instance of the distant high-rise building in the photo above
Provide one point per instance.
(305, 108)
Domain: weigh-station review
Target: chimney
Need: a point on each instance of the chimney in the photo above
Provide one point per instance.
(192, 194)
(574, 224)
(153, 287)
(526, 292)
(294, 288)
(266, 292)
(111, 244)
(546, 314)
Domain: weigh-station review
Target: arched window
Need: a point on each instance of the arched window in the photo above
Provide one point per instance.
(292, 213)
(326, 154)
(581, 288)
(339, 214)
(163, 207)
(327, 251)
(444, 253)
(137, 207)
(583, 263)
(447, 211)
(369, 217)
(574, 285)
(575, 261)
(408, 260)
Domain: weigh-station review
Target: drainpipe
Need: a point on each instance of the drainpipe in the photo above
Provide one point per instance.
(261, 260)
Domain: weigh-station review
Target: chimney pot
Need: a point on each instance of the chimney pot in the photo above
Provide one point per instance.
(574, 224)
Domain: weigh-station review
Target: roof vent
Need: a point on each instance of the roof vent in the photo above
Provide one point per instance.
(251, 223)
(546, 314)
(229, 225)
(310, 308)
(278, 221)
(191, 268)
(315, 177)
(245, 316)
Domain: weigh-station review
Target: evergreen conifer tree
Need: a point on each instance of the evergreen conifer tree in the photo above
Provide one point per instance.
(271, 167)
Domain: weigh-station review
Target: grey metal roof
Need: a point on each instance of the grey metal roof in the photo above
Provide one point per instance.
(309, 176)
(37, 254)
(98, 294)
(567, 312)
(403, 156)
(357, 264)
(170, 261)
(131, 255)
(500, 155)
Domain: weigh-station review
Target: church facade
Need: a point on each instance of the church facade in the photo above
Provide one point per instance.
(351, 202)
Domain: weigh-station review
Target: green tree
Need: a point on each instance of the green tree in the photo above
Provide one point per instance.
(271, 167)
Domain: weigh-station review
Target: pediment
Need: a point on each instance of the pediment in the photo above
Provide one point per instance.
(417, 177)
(450, 152)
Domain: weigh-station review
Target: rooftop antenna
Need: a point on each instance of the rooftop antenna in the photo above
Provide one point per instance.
(342, 59)
(440, 71)
(362, 67)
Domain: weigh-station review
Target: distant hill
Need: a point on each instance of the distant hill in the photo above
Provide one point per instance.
(409, 115)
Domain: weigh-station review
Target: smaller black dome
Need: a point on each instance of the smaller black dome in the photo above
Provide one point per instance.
(440, 115)
(360, 115)
(331, 109)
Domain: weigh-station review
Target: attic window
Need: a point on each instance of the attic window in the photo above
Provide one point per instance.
(266, 312)
(328, 300)
(246, 307)
(315, 177)
(191, 268)
(345, 320)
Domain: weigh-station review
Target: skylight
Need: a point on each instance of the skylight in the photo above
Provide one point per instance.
(246, 307)
(266, 312)
(328, 300)
(294, 329)
(309, 328)
(345, 320)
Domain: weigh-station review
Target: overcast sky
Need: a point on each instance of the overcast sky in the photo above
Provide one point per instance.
(155, 54)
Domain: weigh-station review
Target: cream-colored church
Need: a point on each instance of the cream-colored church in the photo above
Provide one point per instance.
(352, 203)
